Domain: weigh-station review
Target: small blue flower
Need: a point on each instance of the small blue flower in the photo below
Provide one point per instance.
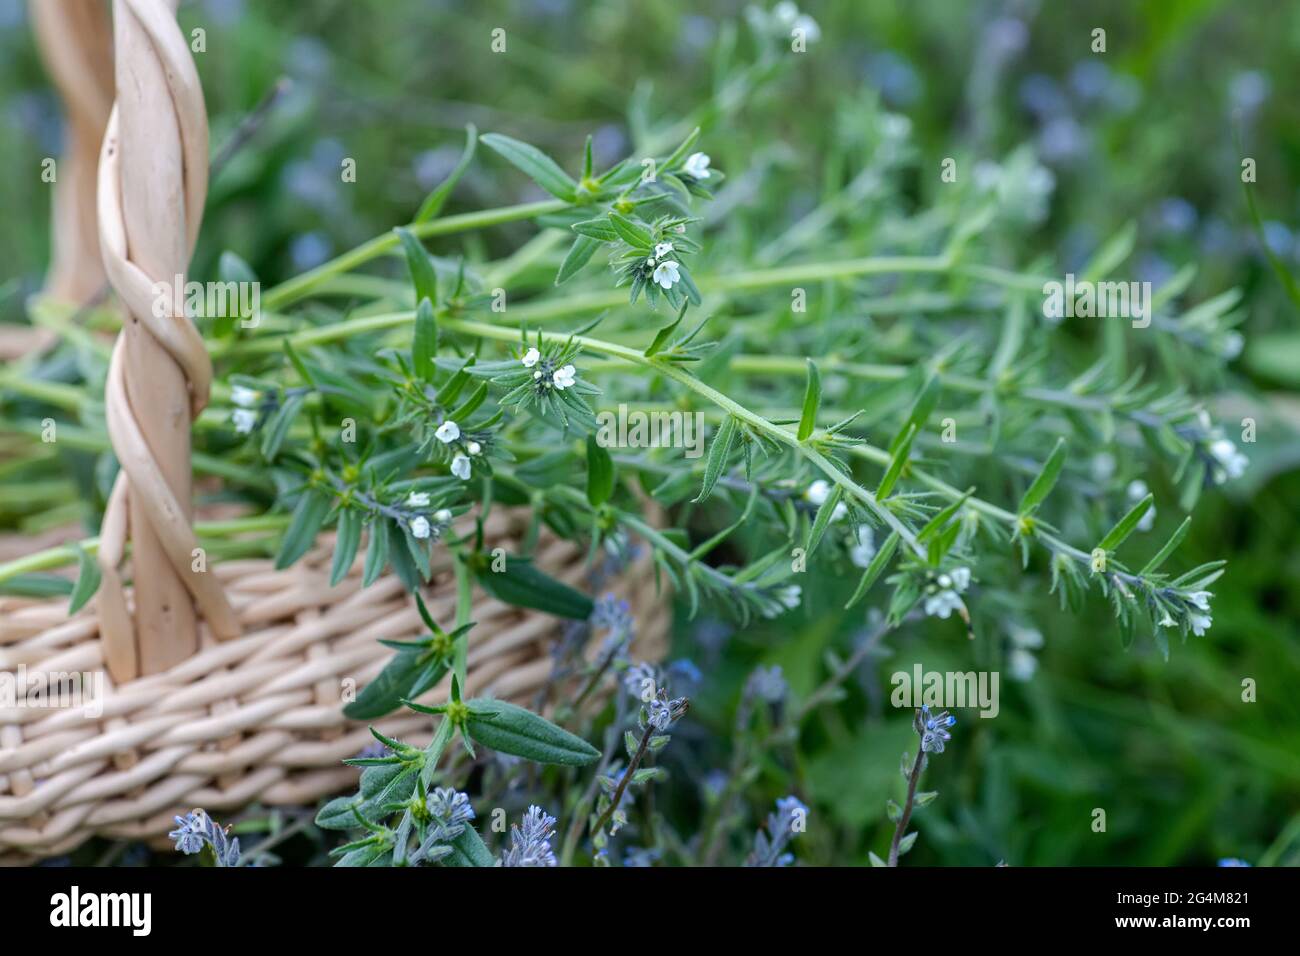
(530, 844)
(450, 810)
(188, 834)
(933, 729)
(1232, 861)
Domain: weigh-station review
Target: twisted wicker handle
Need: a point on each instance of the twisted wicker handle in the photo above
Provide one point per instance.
(153, 176)
(75, 39)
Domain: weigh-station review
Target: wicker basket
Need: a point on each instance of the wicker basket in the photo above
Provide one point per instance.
(257, 718)
(230, 680)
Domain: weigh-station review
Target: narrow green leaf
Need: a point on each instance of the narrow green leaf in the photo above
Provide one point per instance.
(511, 729)
(580, 253)
(376, 552)
(424, 347)
(345, 545)
(662, 336)
(1163, 554)
(433, 203)
(1115, 537)
(304, 524)
(630, 232)
(88, 578)
(719, 452)
(539, 167)
(896, 464)
(423, 275)
(600, 473)
(1046, 480)
(874, 569)
(812, 399)
(277, 429)
(391, 686)
(824, 515)
(524, 585)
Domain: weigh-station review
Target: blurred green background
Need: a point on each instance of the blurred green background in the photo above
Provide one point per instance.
(1151, 132)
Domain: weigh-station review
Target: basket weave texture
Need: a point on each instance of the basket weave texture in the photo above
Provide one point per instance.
(256, 718)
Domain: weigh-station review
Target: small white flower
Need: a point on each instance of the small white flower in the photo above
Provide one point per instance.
(650, 261)
(447, 432)
(563, 377)
(442, 515)
(1200, 624)
(1234, 462)
(420, 527)
(473, 447)
(1201, 599)
(460, 467)
(417, 499)
(1029, 638)
(786, 12)
(245, 397)
(944, 582)
(865, 549)
(666, 274)
(790, 596)
(942, 604)
(680, 230)
(531, 358)
(808, 26)
(961, 578)
(1167, 621)
(663, 249)
(697, 166)
(537, 375)
(244, 420)
(818, 491)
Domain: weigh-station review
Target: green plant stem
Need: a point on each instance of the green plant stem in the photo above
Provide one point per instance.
(65, 554)
(623, 781)
(301, 286)
(906, 816)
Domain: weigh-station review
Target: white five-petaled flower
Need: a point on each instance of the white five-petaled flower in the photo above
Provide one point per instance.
(245, 397)
(460, 467)
(244, 420)
(666, 274)
(942, 604)
(697, 166)
(961, 578)
(564, 377)
(420, 527)
(1201, 599)
(531, 358)
(417, 499)
(865, 549)
(1200, 624)
(442, 515)
(448, 432)
(663, 249)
